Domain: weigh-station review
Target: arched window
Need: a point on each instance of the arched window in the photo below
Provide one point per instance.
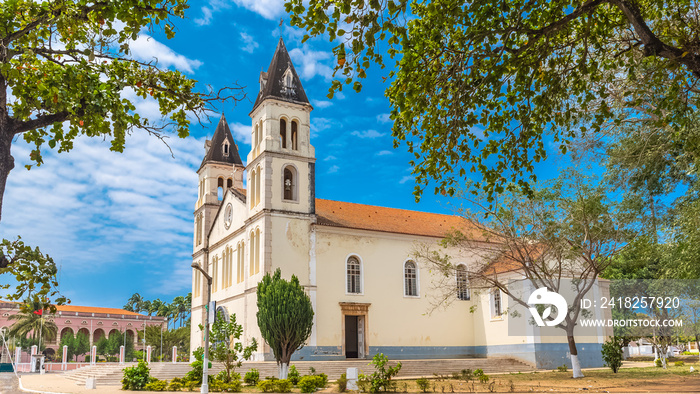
(253, 243)
(462, 283)
(294, 135)
(214, 272)
(239, 263)
(289, 184)
(229, 183)
(283, 133)
(410, 278)
(258, 175)
(251, 188)
(256, 138)
(225, 147)
(354, 275)
(257, 251)
(220, 188)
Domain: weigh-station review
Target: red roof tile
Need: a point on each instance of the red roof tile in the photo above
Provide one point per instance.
(391, 220)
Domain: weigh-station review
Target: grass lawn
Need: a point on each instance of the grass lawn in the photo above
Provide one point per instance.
(646, 379)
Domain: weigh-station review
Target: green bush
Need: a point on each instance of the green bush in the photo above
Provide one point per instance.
(293, 375)
(283, 386)
(266, 386)
(192, 386)
(679, 363)
(612, 353)
(252, 377)
(136, 377)
(423, 384)
(308, 384)
(659, 363)
(156, 385)
(562, 368)
(479, 374)
(380, 379)
(342, 383)
(234, 386)
(175, 386)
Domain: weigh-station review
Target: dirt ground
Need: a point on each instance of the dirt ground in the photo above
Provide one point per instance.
(628, 380)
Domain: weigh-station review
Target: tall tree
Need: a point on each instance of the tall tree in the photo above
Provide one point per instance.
(560, 239)
(285, 317)
(135, 303)
(33, 272)
(476, 85)
(66, 65)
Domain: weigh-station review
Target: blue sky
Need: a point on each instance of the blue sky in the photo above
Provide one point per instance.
(117, 224)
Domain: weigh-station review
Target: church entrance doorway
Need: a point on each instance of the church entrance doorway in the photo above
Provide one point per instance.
(354, 329)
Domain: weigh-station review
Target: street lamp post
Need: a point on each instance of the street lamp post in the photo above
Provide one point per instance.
(205, 366)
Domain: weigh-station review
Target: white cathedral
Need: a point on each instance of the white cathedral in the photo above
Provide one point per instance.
(353, 260)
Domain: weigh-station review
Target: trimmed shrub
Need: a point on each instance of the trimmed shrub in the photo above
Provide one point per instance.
(308, 384)
(283, 386)
(252, 377)
(266, 386)
(156, 385)
(679, 363)
(562, 368)
(193, 386)
(612, 353)
(234, 386)
(175, 386)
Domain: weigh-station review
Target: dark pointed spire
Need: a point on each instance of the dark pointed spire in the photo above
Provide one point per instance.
(274, 84)
(216, 151)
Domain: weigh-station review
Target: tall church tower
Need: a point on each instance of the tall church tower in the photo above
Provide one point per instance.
(220, 170)
(281, 161)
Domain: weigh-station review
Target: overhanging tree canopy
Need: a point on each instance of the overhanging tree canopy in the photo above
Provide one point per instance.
(66, 69)
(477, 85)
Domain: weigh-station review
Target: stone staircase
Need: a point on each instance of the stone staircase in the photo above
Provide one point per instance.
(111, 374)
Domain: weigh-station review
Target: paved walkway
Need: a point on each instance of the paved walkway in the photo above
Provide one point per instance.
(9, 384)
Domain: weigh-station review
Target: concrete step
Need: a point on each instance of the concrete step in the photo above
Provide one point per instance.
(112, 374)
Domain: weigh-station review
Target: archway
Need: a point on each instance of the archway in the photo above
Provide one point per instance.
(66, 331)
(97, 334)
(85, 332)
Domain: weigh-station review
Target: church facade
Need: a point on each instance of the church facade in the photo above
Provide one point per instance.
(353, 260)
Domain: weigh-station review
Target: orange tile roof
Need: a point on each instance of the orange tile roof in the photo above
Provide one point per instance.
(390, 220)
(88, 309)
(95, 309)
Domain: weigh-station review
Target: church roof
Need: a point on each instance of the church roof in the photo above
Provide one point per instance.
(83, 309)
(215, 153)
(272, 82)
(391, 220)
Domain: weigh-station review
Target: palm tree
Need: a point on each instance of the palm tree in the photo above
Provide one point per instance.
(155, 306)
(27, 322)
(188, 304)
(146, 307)
(135, 302)
(179, 308)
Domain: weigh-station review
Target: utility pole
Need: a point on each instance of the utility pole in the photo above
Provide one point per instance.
(205, 366)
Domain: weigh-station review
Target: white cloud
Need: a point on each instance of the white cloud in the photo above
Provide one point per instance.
(312, 63)
(107, 205)
(206, 17)
(321, 103)
(249, 42)
(367, 134)
(406, 179)
(268, 9)
(320, 124)
(339, 95)
(384, 153)
(383, 118)
(333, 169)
(329, 158)
(147, 48)
(241, 132)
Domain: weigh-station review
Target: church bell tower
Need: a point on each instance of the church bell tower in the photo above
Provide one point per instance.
(281, 163)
